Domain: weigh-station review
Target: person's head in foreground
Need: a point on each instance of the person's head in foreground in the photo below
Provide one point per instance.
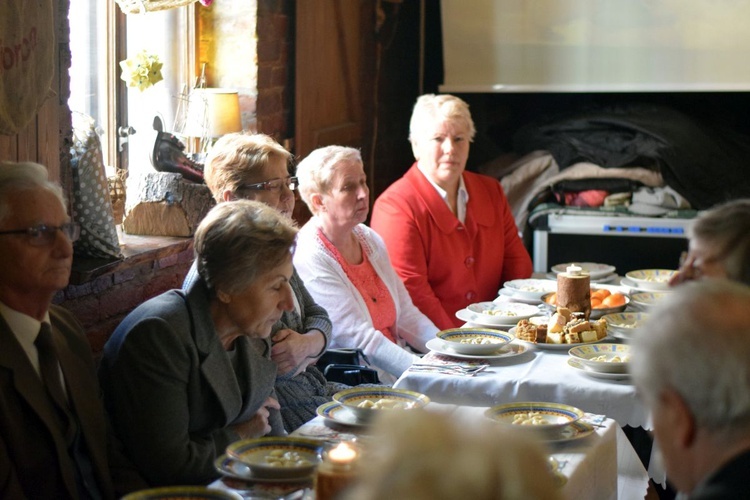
(251, 167)
(333, 184)
(432, 456)
(244, 250)
(36, 238)
(440, 132)
(719, 244)
(691, 364)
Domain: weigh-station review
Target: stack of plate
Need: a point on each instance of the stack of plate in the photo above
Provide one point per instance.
(605, 361)
(497, 315)
(357, 407)
(624, 325)
(550, 422)
(647, 280)
(271, 459)
(598, 273)
(528, 291)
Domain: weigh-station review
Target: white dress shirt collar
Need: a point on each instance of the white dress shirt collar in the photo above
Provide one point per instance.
(461, 200)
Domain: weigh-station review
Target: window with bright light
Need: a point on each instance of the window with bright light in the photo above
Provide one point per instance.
(100, 37)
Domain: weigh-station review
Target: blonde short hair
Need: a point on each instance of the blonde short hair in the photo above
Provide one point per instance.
(315, 172)
(238, 241)
(430, 108)
(21, 177)
(235, 156)
(433, 456)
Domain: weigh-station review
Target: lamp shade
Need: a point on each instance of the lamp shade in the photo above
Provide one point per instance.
(212, 112)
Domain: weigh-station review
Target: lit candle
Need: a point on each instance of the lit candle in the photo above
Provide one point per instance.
(336, 471)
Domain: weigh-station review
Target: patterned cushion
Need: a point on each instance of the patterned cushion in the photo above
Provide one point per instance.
(91, 203)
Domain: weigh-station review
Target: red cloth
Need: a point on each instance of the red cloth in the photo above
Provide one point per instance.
(444, 264)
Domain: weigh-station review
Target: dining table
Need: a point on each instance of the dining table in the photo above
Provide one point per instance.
(600, 465)
(535, 373)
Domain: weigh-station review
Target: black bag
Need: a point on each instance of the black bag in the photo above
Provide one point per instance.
(344, 366)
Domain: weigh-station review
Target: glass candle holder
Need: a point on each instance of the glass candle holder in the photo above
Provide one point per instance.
(337, 470)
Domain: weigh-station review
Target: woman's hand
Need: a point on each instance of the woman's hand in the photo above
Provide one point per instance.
(295, 350)
(258, 425)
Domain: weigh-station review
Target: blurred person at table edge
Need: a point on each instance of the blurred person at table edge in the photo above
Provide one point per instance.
(55, 440)
(423, 455)
(450, 233)
(256, 167)
(719, 244)
(346, 268)
(189, 372)
(691, 365)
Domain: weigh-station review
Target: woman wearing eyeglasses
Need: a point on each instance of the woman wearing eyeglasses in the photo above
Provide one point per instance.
(346, 266)
(255, 167)
(719, 245)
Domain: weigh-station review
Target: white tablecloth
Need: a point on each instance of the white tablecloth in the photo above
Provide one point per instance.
(535, 375)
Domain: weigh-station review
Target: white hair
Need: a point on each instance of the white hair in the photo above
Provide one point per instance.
(697, 343)
(24, 176)
(315, 172)
(431, 108)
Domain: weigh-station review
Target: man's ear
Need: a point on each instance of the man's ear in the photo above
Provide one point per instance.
(223, 297)
(680, 417)
(227, 195)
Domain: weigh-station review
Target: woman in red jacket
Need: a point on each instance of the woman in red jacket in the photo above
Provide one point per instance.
(450, 233)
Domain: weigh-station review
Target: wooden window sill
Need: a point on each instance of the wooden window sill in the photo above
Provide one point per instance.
(136, 249)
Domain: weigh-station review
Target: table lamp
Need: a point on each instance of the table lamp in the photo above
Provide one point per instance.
(211, 113)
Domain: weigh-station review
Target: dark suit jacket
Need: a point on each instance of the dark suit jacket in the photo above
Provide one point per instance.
(728, 483)
(34, 461)
(171, 391)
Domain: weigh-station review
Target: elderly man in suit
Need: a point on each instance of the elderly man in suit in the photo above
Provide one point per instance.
(691, 363)
(54, 438)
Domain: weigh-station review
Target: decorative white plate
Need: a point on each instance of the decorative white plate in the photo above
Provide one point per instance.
(336, 413)
(553, 417)
(229, 467)
(576, 430)
(356, 400)
(646, 300)
(255, 453)
(622, 325)
(556, 347)
(589, 355)
(490, 313)
(466, 340)
(600, 375)
(512, 295)
(594, 269)
(651, 279)
(507, 351)
(530, 289)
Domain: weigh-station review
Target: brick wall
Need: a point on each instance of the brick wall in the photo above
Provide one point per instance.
(102, 299)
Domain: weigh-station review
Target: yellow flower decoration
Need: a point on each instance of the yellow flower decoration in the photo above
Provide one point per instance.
(141, 71)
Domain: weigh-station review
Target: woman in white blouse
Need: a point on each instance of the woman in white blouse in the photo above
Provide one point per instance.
(345, 266)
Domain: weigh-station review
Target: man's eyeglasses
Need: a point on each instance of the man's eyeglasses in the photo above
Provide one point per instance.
(44, 235)
(271, 185)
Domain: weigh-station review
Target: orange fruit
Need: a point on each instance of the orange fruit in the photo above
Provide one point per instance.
(595, 302)
(601, 293)
(552, 299)
(614, 300)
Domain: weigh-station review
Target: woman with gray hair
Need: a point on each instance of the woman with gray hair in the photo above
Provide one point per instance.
(450, 233)
(187, 373)
(719, 245)
(691, 364)
(255, 167)
(346, 267)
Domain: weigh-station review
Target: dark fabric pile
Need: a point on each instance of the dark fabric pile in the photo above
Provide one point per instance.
(707, 163)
